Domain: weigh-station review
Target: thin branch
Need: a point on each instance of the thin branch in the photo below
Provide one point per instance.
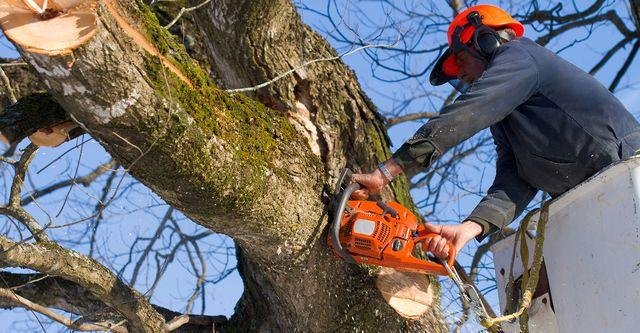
(7, 83)
(85, 180)
(264, 84)
(13, 64)
(185, 10)
(149, 247)
(410, 117)
(14, 209)
(20, 172)
(610, 54)
(625, 66)
(176, 323)
(75, 175)
(73, 325)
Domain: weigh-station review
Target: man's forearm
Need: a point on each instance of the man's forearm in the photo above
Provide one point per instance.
(414, 156)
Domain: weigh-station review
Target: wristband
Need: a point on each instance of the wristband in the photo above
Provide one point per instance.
(385, 172)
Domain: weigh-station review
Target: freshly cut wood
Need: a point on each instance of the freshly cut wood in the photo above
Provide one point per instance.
(410, 294)
(48, 27)
(53, 136)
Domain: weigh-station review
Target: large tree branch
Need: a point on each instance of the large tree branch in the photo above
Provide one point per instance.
(58, 293)
(50, 258)
(9, 295)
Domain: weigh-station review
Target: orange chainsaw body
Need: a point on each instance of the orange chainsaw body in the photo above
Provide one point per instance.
(374, 234)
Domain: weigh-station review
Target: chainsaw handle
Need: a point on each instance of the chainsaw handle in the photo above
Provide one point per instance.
(337, 219)
(451, 259)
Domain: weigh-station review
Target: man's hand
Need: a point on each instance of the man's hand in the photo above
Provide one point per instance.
(374, 181)
(458, 235)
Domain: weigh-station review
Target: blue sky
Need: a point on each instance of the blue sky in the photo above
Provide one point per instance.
(125, 222)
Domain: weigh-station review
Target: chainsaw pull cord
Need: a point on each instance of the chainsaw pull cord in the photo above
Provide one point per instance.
(530, 281)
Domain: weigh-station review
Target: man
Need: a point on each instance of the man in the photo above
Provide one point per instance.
(553, 124)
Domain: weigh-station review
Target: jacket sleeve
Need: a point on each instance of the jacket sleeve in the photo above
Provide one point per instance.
(510, 79)
(507, 197)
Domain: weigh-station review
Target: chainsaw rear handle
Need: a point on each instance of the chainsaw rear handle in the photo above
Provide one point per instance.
(337, 219)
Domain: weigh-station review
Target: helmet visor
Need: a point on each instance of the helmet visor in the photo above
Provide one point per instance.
(444, 70)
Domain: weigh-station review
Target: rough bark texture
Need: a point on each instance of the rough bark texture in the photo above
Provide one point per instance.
(257, 171)
(77, 268)
(58, 293)
(24, 82)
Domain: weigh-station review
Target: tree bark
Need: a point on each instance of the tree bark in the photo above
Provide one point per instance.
(259, 171)
(62, 294)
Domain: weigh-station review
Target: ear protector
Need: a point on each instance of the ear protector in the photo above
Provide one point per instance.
(485, 41)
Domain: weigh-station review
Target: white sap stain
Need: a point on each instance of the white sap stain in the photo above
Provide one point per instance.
(70, 89)
(56, 71)
(104, 115)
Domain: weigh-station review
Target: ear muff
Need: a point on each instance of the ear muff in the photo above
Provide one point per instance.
(486, 41)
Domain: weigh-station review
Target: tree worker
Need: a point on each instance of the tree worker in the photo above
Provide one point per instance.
(553, 125)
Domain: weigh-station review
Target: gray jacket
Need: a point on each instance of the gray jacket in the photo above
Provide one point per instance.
(553, 126)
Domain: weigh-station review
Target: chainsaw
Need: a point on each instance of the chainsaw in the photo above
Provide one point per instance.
(380, 233)
(389, 235)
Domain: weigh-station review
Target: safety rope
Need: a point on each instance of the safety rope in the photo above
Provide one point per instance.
(529, 281)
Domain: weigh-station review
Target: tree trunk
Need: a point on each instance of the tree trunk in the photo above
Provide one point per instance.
(258, 169)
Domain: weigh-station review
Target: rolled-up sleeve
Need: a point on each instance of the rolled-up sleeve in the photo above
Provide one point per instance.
(509, 80)
(509, 195)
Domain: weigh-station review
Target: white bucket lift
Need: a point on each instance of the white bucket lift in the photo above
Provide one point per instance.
(592, 256)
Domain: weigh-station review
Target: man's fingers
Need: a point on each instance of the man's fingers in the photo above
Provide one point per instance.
(442, 250)
(437, 245)
(431, 243)
(360, 195)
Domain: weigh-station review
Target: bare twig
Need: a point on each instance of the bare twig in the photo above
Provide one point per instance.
(264, 84)
(625, 66)
(73, 325)
(176, 322)
(85, 180)
(13, 64)
(185, 10)
(13, 208)
(7, 83)
(410, 117)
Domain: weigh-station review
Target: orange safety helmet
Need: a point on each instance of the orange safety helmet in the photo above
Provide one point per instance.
(463, 32)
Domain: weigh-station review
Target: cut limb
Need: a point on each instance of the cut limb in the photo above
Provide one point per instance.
(53, 28)
(53, 136)
(410, 294)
